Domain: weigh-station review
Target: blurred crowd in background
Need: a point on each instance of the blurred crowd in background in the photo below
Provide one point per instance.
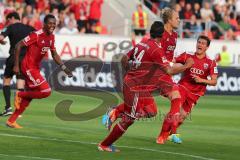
(219, 19)
(73, 16)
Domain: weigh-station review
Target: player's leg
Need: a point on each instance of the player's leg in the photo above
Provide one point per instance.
(38, 87)
(8, 74)
(43, 91)
(20, 82)
(174, 113)
(7, 96)
(118, 130)
(148, 109)
(187, 107)
(189, 101)
(130, 106)
(11, 122)
(112, 114)
(172, 118)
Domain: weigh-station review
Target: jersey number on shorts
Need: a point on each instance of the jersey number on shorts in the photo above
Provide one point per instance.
(137, 58)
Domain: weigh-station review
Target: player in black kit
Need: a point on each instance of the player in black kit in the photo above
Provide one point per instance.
(15, 31)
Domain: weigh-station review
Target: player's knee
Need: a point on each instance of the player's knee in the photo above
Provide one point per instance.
(46, 93)
(126, 122)
(174, 95)
(7, 81)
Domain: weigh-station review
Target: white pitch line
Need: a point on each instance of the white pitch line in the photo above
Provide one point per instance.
(93, 143)
(28, 157)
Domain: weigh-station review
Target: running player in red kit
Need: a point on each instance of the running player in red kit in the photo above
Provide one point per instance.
(193, 82)
(147, 57)
(38, 44)
(167, 87)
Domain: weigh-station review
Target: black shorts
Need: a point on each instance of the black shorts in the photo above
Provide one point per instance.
(8, 72)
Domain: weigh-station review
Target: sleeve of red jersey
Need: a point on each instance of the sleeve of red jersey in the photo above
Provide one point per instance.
(158, 57)
(30, 39)
(52, 47)
(181, 58)
(213, 69)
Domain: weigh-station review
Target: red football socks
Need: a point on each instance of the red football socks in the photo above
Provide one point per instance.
(175, 106)
(114, 135)
(17, 112)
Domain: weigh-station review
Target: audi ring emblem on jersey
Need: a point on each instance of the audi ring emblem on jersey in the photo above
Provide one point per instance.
(197, 71)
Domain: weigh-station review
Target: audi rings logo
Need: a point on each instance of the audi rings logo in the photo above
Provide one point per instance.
(197, 71)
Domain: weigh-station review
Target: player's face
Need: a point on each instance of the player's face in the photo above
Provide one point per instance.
(50, 25)
(175, 20)
(201, 46)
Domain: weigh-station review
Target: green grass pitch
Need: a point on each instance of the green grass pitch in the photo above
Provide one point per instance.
(212, 132)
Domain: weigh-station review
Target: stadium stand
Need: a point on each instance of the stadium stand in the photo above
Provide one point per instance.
(219, 19)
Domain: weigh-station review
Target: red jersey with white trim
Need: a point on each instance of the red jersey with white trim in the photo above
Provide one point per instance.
(168, 43)
(147, 57)
(202, 67)
(38, 44)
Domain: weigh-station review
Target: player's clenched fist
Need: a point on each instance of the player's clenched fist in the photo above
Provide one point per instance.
(66, 70)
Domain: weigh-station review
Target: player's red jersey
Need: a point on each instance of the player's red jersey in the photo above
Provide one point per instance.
(139, 81)
(202, 67)
(38, 44)
(168, 43)
(147, 57)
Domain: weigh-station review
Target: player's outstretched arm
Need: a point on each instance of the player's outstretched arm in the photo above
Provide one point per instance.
(175, 69)
(211, 82)
(17, 50)
(58, 60)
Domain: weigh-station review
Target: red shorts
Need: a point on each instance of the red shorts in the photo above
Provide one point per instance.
(34, 80)
(189, 100)
(138, 104)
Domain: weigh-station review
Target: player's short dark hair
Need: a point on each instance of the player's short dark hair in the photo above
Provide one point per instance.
(205, 38)
(47, 17)
(157, 29)
(167, 14)
(14, 15)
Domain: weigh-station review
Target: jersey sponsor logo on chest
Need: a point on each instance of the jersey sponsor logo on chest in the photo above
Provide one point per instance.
(45, 50)
(197, 71)
(170, 48)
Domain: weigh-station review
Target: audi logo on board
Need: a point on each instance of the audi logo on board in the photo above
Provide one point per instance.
(197, 71)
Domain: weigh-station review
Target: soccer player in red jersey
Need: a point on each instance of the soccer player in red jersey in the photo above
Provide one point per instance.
(147, 57)
(193, 82)
(168, 87)
(38, 44)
